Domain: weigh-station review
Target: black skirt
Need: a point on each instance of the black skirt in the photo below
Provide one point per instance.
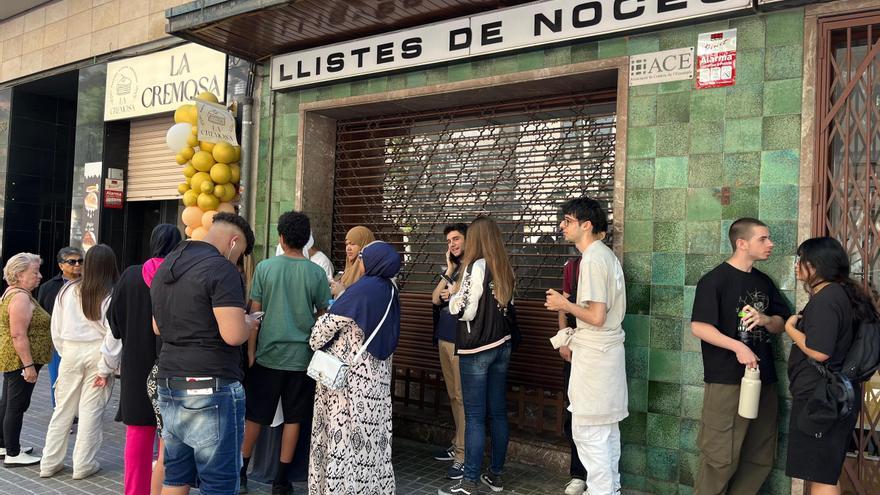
(817, 459)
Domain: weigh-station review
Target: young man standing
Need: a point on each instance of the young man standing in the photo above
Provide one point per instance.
(444, 337)
(293, 292)
(734, 307)
(198, 310)
(595, 346)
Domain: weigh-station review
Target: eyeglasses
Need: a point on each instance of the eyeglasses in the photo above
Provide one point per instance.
(73, 261)
(568, 221)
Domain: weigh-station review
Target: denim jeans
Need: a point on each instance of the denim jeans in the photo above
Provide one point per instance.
(203, 436)
(484, 390)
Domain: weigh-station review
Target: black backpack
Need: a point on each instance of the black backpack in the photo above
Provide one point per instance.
(863, 358)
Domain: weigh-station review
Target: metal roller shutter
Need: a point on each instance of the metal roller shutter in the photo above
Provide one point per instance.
(152, 172)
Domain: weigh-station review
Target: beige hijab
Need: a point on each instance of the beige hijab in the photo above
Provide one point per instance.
(360, 236)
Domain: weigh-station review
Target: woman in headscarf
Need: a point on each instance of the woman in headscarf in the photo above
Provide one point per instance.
(351, 429)
(355, 240)
(130, 317)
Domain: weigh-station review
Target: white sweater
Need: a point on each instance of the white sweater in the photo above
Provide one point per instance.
(69, 323)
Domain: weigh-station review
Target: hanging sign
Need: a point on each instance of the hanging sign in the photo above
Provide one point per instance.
(524, 26)
(665, 66)
(216, 123)
(113, 193)
(91, 204)
(716, 59)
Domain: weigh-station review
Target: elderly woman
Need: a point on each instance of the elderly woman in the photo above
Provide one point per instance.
(355, 240)
(351, 429)
(25, 345)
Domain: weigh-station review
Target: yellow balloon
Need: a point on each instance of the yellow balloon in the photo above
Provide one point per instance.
(199, 233)
(192, 141)
(226, 208)
(192, 216)
(188, 231)
(189, 180)
(223, 152)
(208, 201)
(208, 218)
(206, 146)
(220, 173)
(207, 96)
(229, 191)
(187, 153)
(197, 179)
(219, 191)
(206, 186)
(190, 198)
(202, 161)
(180, 159)
(195, 131)
(237, 153)
(193, 115)
(182, 188)
(235, 170)
(189, 170)
(182, 114)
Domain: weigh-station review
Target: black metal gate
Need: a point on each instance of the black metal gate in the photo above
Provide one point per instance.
(406, 176)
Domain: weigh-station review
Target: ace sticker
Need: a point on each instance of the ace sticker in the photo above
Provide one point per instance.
(716, 59)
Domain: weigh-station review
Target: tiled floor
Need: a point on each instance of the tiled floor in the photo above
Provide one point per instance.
(417, 473)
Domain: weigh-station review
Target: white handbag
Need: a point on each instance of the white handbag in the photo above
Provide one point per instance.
(329, 370)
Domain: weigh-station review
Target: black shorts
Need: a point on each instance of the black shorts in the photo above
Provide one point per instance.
(263, 388)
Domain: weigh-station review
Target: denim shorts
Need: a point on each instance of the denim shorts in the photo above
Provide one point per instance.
(203, 436)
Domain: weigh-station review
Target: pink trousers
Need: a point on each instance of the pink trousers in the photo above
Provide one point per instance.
(139, 442)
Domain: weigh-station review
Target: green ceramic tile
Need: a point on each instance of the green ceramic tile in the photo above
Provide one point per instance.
(505, 65)
(638, 237)
(669, 204)
(706, 107)
(643, 90)
(642, 111)
(777, 483)
(744, 100)
(639, 204)
(637, 394)
(460, 72)
(705, 170)
(638, 329)
(749, 32)
(325, 93)
(673, 108)
(483, 68)
(643, 43)
(706, 137)
(785, 28)
(666, 300)
(673, 140)
(584, 52)
(668, 269)
(666, 333)
(779, 202)
(689, 343)
(726, 222)
(782, 132)
(633, 481)
(692, 370)
(743, 203)
(783, 62)
(688, 435)
(679, 37)
(665, 366)
(530, 60)
(379, 84)
(692, 395)
(703, 237)
(398, 81)
(638, 298)
(782, 97)
(637, 362)
(742, 135)
(703, 204)
(637, 267)
(780, 268)
(742, 169)
(633, 459)
(687, 309)
(669, 237)
(632, 429)
(663, 430)
(664, 398)
(784, 235)
(749, 66)
(560, 55)
(780, 167)
(640, 173)
(663, 465)
(687, 472)
(675, 86)
(641, 142)
(614, 47)
(697, 265)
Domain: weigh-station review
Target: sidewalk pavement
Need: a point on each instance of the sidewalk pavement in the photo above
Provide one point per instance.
(417, 472)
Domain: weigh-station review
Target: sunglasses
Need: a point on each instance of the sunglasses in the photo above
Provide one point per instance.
(73, 261)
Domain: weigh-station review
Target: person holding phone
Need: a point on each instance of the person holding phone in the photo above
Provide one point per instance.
(444, 338)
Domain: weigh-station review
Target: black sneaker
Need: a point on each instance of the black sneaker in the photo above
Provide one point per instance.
(445, 455)
(282, 489)
(460, 487)
(492, 480)
(455, 471)
(242, 484)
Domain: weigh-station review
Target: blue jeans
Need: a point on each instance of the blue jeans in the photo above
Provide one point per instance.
(484, 389)
(53, 373)
(203, 436)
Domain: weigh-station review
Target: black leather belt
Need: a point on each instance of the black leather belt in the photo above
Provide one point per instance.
(180, 383)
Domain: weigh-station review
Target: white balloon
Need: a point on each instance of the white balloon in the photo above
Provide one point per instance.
(177, 135)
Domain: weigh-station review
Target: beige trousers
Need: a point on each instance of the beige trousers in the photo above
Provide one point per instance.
(75, 395)
(452, 377)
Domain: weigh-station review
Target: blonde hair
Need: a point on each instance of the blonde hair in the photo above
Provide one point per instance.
(484, 241)
(17, 265)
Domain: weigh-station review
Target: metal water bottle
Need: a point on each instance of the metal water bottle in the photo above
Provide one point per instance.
(750, 393)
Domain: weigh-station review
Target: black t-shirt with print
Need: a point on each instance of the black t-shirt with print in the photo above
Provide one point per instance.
(720, 296)
(193, 280)
(828, 324)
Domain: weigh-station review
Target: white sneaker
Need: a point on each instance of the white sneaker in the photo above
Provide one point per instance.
(26, 450)
(22, 459)
(88, 472)
(575, 487)
(48, 473)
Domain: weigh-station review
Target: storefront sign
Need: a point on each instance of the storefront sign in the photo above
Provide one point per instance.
(216, 123)
(162, 81)
(91, 204)
(113, 193)
(658, 67)
(525, 26)
(716, 59)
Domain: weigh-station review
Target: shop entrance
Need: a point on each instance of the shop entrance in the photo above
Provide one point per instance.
(42, 135)
(141, 217)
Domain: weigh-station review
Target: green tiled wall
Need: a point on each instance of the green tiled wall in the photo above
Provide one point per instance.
(683, 147)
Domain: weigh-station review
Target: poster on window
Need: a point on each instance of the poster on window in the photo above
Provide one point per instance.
(716, 59)
(91, 205)
(113, 193)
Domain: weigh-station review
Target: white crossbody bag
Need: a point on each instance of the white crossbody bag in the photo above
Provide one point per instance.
(329, 370)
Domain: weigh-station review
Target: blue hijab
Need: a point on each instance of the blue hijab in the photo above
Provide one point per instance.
(366, 300)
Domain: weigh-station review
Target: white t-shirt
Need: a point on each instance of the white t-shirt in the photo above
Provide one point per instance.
(601, 280)
(316, 257)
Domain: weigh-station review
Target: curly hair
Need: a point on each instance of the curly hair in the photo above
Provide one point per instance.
(241, 224)
(17, 265)
(294, 228)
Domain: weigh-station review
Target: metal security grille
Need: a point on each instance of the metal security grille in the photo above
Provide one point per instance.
(847, 204)
(407, 176)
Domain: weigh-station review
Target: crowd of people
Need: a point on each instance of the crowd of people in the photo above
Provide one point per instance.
(211, 352)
